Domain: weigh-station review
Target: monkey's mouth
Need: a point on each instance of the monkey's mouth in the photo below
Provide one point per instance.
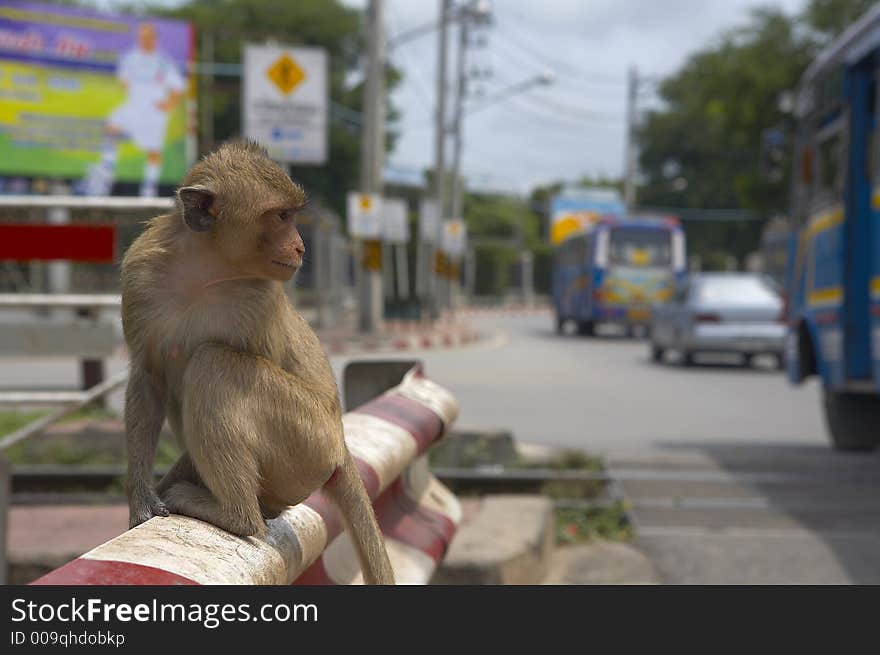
(291, 267)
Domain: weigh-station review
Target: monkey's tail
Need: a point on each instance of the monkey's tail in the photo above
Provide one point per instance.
(347, 490)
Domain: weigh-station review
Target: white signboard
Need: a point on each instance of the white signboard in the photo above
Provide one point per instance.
(395, 220)
(284, 102)
(428, 217)
(364, 216)
(454, 241)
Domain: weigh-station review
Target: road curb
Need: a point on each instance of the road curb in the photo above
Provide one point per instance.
(404, 338)
(509, 541)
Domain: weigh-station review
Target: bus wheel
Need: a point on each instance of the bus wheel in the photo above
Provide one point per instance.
(586, 328)
(560, 325)
(656, 353)
(852, 420)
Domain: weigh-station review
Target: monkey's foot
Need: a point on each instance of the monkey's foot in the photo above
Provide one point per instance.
(193, 500)
(144, 507)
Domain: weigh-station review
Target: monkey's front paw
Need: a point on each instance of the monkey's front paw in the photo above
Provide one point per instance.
(144, 508)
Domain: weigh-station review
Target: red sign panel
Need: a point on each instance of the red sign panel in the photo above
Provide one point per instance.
(23, 242)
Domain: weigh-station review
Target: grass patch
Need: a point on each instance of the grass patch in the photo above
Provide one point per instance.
(496, 451)
(582, 525)
(99, 448)
(12, 421)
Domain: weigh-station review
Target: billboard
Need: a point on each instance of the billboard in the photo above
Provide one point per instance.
(284, 102)
(575, 210)
(95, 97)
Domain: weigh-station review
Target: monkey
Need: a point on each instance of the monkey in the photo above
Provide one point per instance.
(217, 348)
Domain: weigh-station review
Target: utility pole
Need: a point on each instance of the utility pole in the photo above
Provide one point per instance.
(457, 186)
(372, 162)
(461, 91)
(440, 154)
(207, 99)
(630, 157)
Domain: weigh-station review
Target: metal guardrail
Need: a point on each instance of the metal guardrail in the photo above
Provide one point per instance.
(86, 397)
(70, 300)
(32, 428)
(388, 437)
(86, 202)
(84, 300)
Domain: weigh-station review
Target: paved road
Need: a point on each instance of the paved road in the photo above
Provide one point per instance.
(604, 394)
(728, 470)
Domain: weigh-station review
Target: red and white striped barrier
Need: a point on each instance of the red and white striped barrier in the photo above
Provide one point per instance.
(407, 338)
(504, 310)
(388, 437)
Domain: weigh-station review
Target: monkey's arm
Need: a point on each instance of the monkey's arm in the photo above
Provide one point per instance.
(144, 414)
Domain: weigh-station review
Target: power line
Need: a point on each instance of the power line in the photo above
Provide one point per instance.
(419, 82)
(577, 113)
(561, 66)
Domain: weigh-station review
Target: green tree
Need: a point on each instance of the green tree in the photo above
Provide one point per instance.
(702, 149)
(829, 18)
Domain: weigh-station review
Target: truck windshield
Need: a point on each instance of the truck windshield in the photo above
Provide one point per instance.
(639, 246)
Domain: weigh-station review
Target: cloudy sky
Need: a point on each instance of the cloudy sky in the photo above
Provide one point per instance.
(575, 126)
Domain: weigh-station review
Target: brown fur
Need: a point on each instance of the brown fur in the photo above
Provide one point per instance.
(217, 348)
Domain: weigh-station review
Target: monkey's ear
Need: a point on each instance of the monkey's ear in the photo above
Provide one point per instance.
(197, 202)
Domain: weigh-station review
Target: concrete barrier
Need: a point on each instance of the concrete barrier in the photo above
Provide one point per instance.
(388, 437)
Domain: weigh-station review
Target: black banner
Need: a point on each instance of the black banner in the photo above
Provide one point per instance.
(379, 618)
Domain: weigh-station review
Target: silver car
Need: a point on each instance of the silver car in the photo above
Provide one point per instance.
(720, 313)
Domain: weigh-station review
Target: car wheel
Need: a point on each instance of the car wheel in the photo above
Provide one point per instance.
(687, 358)
(780, 362)
(657, 353)
(748, 361)
(852, 420)
(586, 328)
(560, 325)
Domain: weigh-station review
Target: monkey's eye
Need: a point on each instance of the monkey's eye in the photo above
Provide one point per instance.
(285, 215)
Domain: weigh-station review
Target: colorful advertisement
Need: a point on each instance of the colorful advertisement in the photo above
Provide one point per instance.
(576, 210)
(95, 97)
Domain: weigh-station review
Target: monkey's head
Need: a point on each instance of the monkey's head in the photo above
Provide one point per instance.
(245, 205)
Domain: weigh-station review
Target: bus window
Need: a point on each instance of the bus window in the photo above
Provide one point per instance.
(635, 246)
(830, 163)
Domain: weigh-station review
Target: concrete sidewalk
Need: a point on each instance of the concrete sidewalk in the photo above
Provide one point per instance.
(42, 538)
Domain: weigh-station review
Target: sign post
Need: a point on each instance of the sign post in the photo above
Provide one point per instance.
(396, 235)
(453, 247)
(429, 218)
(365, 224)
(284, 102)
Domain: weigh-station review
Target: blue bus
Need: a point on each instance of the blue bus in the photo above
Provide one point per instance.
(834, 285)
(615, 270)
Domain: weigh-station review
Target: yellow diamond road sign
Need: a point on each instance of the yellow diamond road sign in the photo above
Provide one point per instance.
(285, 74)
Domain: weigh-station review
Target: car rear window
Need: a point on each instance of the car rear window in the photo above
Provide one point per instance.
(736, 291)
